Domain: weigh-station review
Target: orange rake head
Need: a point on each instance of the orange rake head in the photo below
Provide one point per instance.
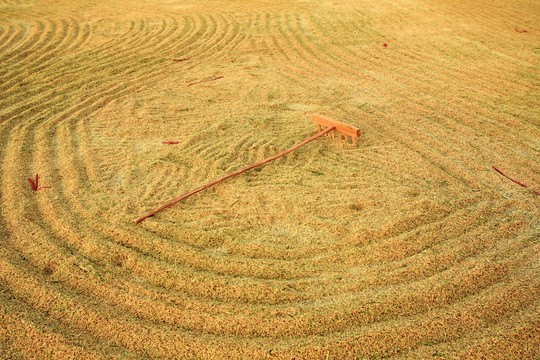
(324, 122)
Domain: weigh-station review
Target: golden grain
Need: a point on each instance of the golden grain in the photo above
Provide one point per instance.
(406, 246)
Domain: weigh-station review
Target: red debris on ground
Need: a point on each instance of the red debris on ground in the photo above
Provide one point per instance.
(179, 60)
(520, 30)
(170, 142)
(385, 44)
(35, 185)
(517, 182)
(199, 82)
(32, 183)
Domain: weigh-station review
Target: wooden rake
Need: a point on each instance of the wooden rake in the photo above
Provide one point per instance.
(324, 126)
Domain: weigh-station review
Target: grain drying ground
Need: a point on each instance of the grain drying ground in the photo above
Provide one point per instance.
(406, 246)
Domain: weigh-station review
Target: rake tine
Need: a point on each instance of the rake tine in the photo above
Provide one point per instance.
(341, 128)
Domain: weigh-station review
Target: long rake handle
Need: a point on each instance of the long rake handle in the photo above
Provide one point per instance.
(237, 172)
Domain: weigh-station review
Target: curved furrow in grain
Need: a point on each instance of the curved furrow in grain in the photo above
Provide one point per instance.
(427, 80)
(23, 319)
(68, 40)
(334, 251)
(312, 319)
(79, 245)
(93, 321)
(12, 34)
(32, 43)
(152, 31)
(162, 36)
(104, 39)
(509, 331)
(204, 27)
(112, 53)
(441, 159)
(52, 344)
(398, 254)
(72, 186)
(305, 64)
(77, 70)
(130, 64)
(424, 295)
(421, 297)
(134, 38)
(332, 258)
(206, 42)
(227, 40)
(37, 102)
(441, 326)
(172, 31)
(179, 47)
